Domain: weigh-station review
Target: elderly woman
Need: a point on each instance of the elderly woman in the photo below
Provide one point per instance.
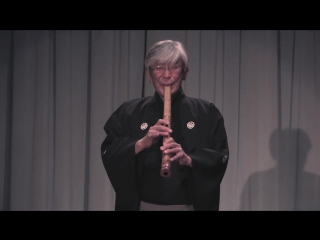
(137, 136)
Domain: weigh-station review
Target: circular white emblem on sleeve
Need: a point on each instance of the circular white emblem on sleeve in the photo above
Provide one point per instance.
(190, 125)
(144, 126)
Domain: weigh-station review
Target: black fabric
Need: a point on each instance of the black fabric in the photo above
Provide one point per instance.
(137, 177)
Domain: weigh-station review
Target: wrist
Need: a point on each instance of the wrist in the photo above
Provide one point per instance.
(139, 146)
(188, 161)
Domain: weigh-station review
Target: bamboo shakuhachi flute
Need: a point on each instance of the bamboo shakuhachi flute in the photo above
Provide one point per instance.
(166, 163)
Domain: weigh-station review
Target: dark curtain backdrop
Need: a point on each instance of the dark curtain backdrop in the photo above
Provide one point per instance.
(58, 87)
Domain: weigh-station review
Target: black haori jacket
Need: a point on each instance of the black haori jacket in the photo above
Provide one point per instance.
(199, 128)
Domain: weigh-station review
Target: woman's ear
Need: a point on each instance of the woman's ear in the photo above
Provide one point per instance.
(148, 75)
(185, 73)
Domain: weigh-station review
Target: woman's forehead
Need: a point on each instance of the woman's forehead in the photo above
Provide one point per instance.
(166, 62)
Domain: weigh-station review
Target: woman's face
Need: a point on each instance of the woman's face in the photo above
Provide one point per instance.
(162, 75)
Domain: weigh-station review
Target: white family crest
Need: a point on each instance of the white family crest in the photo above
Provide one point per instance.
(144, 126)
(190, 125)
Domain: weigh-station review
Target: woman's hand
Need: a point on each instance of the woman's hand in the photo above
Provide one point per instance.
(158, 130)
(176, 152)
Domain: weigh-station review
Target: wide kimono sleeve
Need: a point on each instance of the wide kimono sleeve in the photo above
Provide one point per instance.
(118, 156)
(209, 161)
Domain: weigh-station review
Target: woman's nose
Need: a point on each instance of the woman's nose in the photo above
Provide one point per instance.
(166, 72)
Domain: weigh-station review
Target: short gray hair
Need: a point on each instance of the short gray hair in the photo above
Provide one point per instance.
(166, 51)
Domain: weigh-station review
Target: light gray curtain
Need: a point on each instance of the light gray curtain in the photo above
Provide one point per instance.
(58, 88)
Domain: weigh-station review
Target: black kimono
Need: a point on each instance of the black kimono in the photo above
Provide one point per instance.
(197, 125)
